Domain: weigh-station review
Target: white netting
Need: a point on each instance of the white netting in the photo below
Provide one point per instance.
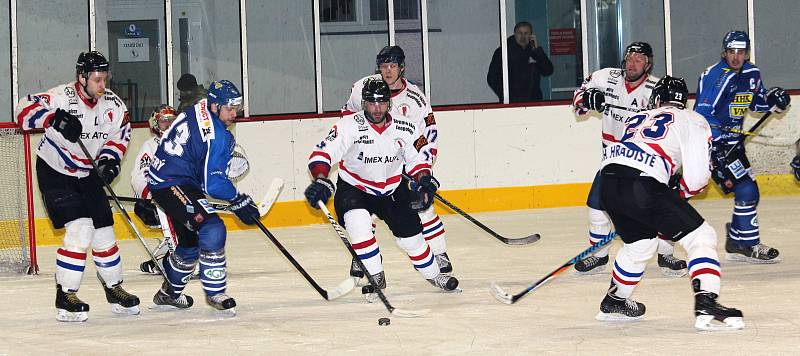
(14, 253)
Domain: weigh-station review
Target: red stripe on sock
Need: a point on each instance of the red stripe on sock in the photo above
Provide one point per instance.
(620, 280)
(364, 244)
(705, 271)
(70, 254)
(428, 238)
(435, 220)
(110, 252)
(422, 256)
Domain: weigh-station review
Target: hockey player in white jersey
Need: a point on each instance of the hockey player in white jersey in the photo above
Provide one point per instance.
(72, 190)
(618, 93)
(662, 158)
(371, 148)
(408, 101)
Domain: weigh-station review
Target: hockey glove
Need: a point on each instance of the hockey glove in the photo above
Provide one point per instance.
(68, 125)
(425, 190)
(796, 166)
(108, 169)
(777, 100)
(146, 212)
(321, 189)
(594, 99)
(719, 170)
(245, 209)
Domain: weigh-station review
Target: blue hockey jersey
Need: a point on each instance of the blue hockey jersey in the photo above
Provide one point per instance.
(724, 96)
(195, 150)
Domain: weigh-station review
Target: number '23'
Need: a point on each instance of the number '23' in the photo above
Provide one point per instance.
(655, 129)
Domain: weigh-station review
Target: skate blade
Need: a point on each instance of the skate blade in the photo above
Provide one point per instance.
(708, 323)
(616, 317)
(229, 313)
(71, 317)
(160, 307)
(119, 309)
(596, 270)
(371, 297)
(457, 290)
(735, 257)
(673, 273)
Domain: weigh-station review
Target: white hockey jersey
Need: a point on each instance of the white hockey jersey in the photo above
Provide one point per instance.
(617, 92)
(106, 127)
(372, 158)
(664, 141)
(139, 171)
(409, 102)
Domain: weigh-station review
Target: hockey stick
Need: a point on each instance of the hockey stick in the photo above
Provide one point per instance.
(121, 208)
(392, 310)
(520, 241)
(622, 108)
(504, 297)
(343, 288)
(264, 205)
(738, 131)
(752, 129)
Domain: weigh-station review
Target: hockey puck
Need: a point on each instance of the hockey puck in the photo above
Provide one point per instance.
(384, 321)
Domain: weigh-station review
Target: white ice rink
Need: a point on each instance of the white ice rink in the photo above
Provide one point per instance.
(279, 313)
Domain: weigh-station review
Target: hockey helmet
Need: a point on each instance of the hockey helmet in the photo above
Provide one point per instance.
(224, 93)
(669, 90)
(736, 40)
(376, 91)
(163, 113)
(391, 54)
(638, 47)
(91, 62)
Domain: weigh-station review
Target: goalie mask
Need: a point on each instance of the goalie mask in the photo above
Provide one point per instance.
(161, 119)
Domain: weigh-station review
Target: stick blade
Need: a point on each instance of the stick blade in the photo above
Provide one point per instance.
(405, 313)
(343, 288)
(500, 294)
(527, 240)
(271, 196)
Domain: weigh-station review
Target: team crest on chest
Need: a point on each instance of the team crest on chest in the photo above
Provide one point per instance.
(403, 109)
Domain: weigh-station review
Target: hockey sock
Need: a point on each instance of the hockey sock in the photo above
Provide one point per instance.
(178, 267)
(71, 258)
(701, 247)
(599, 228)
(744, 224)
(213, 274)
(629, 265)
(433, 230)
(358, 224)
(420, 254)
(665, 246)
(106, 256)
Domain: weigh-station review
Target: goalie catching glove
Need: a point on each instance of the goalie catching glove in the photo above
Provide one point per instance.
(425, 186)
(321, 189)
(245, 209)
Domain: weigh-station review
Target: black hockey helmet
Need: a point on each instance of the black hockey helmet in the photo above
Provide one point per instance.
(669, 90)
(376, 91)
(639, 47)
(91, 62)
(391, 54)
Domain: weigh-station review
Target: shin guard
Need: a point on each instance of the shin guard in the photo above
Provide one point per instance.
(701, 247)
(630, 264)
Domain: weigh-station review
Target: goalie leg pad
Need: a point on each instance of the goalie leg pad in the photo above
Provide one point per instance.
(178, 268)
(701, 247)
(420, 254)
(433, 230)
(599, 227)
(630, 264)
(106, 256)
(71, 258)
(213, 271)
(358, 223)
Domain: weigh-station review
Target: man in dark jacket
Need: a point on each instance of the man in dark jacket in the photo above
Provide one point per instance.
(527, 63)
(190, 92)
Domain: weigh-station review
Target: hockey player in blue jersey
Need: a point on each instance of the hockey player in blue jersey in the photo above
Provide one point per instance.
(191, 163)
(725, 92)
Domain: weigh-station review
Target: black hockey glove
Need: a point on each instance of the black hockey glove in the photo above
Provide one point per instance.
(425, 190)
(719, 170)
(245, 209)
(108, 169)
(146, 212)
(594, 99)
(68, 125)
(321, 189)
(796, 166)
(778, 100)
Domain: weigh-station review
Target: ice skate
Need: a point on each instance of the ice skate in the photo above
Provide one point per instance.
(444, 263)
(758, 254)
(356, 272)
(369, 290)
(69, 308)
(164, 301)
(222, 302)
(671, 266)
(149, 267)
(614, 308)
(591, 265)
(710, 315)
(446, 282)
(121, 301)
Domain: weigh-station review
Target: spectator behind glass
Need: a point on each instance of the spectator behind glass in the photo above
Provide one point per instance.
(190, 91)
(527, 63)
